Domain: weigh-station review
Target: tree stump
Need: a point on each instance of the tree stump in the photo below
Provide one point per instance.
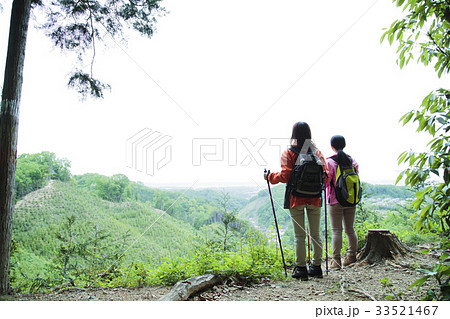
(381, 244)
(186, 288)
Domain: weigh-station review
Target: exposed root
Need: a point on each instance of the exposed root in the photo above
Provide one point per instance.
(345, 287)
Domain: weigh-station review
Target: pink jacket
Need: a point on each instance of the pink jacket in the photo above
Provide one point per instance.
(332, 167)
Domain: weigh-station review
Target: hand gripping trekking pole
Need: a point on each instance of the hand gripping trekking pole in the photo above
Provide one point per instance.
(276, 223)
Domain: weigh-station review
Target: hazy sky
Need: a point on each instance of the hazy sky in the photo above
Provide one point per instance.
(212, 97)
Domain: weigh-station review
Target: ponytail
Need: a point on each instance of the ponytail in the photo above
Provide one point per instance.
(343, 159)
(338, 143)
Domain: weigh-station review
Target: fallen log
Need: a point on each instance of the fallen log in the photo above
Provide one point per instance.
(182, 290)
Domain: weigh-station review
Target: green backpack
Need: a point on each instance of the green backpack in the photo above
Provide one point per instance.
(347, 184)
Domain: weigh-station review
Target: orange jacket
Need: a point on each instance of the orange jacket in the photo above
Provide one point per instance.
(288, 159)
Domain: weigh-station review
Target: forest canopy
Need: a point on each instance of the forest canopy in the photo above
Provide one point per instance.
(35, 170)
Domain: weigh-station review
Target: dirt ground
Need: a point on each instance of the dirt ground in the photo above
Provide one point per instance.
(357, 283)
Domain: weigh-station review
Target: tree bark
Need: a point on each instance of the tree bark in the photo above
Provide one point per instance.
(381, 244)
(186, 288)
(9, 124)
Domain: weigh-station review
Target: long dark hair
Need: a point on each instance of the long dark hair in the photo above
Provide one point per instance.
(300, 133)
(338, 142)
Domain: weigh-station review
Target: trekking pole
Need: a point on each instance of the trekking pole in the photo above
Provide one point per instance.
(276, 223)
(309, 250)
(326, 231)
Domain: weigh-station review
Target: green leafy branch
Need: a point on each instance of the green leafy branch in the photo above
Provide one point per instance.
(77, 25)
(433, 118)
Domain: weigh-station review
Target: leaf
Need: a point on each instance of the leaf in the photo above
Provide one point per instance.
(400, 2)
(431, 160)
(399, 178)
(407, 117)
(391, 38)
(441, 120)
(383, 36)
(402, 157)
(419, 282)
(429, 200)
(441, 70)
(424, 211)
(432, 130)
(422, 125)
(402, 62)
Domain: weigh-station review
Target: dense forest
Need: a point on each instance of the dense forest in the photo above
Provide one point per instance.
(94, 230)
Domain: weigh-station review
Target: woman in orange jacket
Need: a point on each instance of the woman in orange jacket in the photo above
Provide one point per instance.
(301, 142)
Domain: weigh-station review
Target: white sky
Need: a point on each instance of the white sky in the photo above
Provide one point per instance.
(239, 73)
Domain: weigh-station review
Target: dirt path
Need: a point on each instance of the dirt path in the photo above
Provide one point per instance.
(353, 283)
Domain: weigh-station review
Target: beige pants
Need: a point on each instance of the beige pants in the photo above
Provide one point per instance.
(343, 216)
(298, 221)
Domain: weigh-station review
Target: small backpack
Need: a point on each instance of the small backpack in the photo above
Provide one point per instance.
(307, 176)
(347, 184)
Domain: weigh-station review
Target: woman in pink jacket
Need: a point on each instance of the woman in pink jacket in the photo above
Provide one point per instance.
(340, 217)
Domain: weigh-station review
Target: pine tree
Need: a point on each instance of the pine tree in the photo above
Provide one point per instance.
(72, 25)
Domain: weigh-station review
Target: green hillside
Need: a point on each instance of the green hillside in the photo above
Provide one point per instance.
(94, 230)
(138, 231)
(197, 208)
(259, 208)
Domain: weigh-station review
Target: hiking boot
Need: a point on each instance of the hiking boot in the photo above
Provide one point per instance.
(336, 263)
(315, 271)
(348, 260)
(300, 272)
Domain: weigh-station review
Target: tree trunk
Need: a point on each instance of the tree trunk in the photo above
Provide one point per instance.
(381, 244)
(9, 124)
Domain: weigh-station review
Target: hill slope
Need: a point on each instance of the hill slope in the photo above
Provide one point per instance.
(143, 233)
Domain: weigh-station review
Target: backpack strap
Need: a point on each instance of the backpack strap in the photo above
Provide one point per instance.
(309, 152)
(333, 182)
(297, 151)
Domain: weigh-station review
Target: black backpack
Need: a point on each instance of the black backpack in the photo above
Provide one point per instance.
(307, 177)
